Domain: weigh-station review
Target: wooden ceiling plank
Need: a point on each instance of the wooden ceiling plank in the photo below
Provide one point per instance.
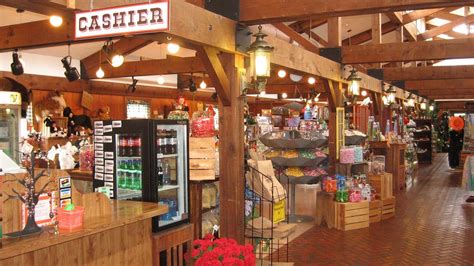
(445, 28)
(305, 43)
(411, 51)
(366, 36)
(445, 84)
(304, 25)
(430, 72)
(251, 11)
(41, 7)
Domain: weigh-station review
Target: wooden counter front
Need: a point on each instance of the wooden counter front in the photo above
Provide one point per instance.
(123, 237)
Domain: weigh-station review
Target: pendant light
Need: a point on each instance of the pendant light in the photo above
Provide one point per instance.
(100, 73)
(260, 53)
(354, 86)
(114, 58)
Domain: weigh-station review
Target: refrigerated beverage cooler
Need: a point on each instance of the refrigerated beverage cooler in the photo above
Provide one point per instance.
(10, 117)
(145, 160)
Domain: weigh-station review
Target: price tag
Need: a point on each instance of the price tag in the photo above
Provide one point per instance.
(279, 211)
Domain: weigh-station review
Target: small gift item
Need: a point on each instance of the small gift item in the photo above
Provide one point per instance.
(342, 196)
(347, 155)
(330, 185)
(349, 182)
(355, 195)
(341, 182)
(366, 192)
(358, 154)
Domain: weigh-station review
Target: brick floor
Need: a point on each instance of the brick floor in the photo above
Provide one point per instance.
(432, 226)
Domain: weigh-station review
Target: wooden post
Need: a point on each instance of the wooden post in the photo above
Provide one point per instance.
(231, 153)
(335, 92)
(334, 32)
(376, 33)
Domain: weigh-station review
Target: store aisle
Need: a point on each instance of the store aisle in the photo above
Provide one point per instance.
(431, 226)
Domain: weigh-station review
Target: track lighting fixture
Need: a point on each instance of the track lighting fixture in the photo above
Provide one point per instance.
(133, 87)
(192, 85)
(214, 96)
(114, 58)
(16, 66)
(71, 73)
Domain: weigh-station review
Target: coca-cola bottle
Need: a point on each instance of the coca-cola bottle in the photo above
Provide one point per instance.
(121, 146)
(130, 146)
(138, 146)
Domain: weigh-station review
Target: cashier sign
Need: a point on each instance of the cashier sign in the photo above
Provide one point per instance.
(123, 20)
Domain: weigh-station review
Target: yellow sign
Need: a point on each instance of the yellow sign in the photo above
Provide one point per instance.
(10, 97)
(279, 211)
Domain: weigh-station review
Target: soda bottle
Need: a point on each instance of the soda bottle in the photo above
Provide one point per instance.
(138, 146)
(166, 173)
(130, 172)
(121, 175)
(138, 175)
(159, 175)
(174, 142)
(168, 142)
(122, 144)
(129, 148)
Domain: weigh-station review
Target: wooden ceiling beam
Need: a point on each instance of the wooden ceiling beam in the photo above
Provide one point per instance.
(210, 59)
(304, 25)
(445, 28)
(124, 46)
(47, 8)
(170, 65)
(446, 84)
(418, 14)
(411, 51)
(445, 14)
(366, 36)
(430, 72)
(295, 36)
(266, 11)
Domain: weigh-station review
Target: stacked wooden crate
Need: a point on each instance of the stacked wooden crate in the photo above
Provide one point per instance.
(375, 211)
(202, 161)
(388, 208)
(351, 215)
(382, 183)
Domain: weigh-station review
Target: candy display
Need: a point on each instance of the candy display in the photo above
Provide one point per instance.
(341, 182)
(330, 185)
(178, 115)
(355, 195)
(272, 153)
(309, 154)
(346, 155)
(366, 192)
(289, 154)
(202, 124)
(310, 171)
(342, 195)
(86, 158)
(294, 171)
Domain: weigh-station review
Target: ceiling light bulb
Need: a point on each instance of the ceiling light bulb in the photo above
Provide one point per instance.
(316, 99)
(364, 93)
(423, 106)
(284, 95)
(309, 101)
(56, 21)
(117, 60)
(262, 93)
(160, 80)
(281, 73)
(203, 85)
(311, 80)
(431, 107)
(173, 48)
(100, 73)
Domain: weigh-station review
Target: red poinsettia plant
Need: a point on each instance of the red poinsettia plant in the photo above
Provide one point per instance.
(222, 251)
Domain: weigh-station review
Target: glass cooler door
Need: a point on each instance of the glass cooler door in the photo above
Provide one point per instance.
(172, 172)
(9, 130)
(128, 166)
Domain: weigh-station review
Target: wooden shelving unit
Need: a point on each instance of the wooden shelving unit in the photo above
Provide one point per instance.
(422, 137)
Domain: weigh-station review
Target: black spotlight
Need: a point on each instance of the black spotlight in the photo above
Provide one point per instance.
(17, 67)
(214, 96)
(192, 85)
(133, 87)
(71, 73)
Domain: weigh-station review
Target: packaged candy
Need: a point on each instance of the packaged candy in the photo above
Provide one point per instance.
(341, 182)
(366, 192)
(358, 154)
(86, 158)
(294, 171)
(290, 154)
(308, 154)
(349, 182)
(330, 185)
(342, 196)
(355, 195)
(202, 124)
(346, 155)
(272, 153)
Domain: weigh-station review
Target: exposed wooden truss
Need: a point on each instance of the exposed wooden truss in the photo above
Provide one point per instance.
(307, 44)
(427, 73)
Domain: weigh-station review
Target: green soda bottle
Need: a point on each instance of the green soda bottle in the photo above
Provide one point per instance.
(129, 173)
(121, 175)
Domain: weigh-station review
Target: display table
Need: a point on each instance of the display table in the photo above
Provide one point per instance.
(122, 237)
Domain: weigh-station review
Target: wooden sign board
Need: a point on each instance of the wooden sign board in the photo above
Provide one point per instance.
(87, 100)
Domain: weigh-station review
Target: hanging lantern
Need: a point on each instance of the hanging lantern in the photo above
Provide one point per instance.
(260, 53)
(391, 95)
(354, 80)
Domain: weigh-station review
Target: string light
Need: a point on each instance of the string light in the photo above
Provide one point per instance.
(311, 80)
(281, 73)
(203, 85)
(100, 73)
(364, 93)
(284, 95)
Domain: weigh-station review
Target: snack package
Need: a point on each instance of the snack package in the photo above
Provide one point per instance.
(202, 124)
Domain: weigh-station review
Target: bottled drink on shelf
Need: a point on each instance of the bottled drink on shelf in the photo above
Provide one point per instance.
(166, 173)
(174, 142)
(159, 176)
(138, 146)
(130, 173)
(121, 175)
(161, 141)
(122, 146)
(168, 142)
(129, 150)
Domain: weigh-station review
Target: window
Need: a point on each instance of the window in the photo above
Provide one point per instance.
(138, 109)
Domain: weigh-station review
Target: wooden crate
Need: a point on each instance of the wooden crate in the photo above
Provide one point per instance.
(202, 162)
(350, 216)
(375, 211)
(388, 208)
(382, 185)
